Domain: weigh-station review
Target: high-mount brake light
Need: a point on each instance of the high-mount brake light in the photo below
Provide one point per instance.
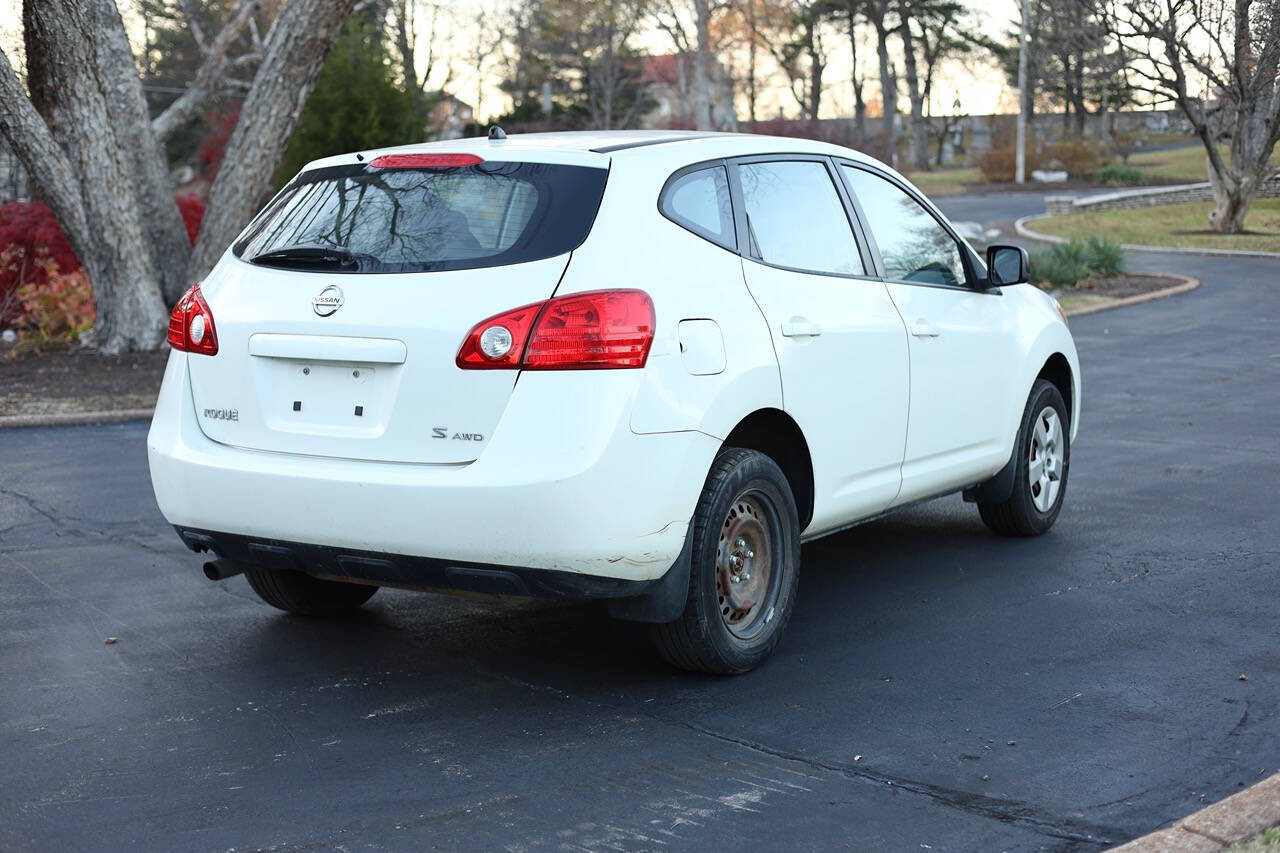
(582, 331)
(425, 161)
(191, 326)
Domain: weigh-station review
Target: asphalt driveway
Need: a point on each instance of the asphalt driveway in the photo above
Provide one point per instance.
(938, 687)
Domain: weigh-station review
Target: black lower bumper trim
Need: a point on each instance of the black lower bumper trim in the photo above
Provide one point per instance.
(409, 572)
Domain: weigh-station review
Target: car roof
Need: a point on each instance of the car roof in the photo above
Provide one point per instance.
(597, 147)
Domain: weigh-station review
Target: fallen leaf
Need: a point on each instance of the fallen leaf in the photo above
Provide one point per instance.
(1013, 743)
(857, 758)
(110, 641)
(1244, 677)
(986, 777)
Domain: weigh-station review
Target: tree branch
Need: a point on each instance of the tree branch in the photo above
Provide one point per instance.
(205, 84)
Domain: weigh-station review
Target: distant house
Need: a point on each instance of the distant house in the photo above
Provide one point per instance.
(449, 117)
(670, 80)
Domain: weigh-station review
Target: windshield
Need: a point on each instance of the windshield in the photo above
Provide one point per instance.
(360, 219)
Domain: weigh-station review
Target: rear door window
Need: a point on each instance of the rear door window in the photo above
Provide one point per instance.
(361, 219)
(699, 201)
(795, 218)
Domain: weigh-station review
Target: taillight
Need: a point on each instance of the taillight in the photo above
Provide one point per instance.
(582, 331)
(484, 345)
(191, 324)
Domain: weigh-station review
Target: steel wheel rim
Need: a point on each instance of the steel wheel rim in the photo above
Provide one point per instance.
(748, 570)
(1046, 459)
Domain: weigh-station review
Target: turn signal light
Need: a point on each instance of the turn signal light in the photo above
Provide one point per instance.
(582, 331)
(191, 324)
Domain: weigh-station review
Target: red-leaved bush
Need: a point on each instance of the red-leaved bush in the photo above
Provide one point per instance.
(32, 248)
(192, 210)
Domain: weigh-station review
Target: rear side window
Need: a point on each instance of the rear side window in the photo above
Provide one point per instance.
(365, 220)
(699, 201)
(796, 219)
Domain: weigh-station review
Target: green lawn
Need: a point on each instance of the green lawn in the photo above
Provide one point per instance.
(1180, 164)
(1266, 842)
(945, 181)
(1158, 226)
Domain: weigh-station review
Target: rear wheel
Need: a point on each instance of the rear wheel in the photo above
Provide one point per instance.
(744, 572)
(299, 593)
(1040, 477)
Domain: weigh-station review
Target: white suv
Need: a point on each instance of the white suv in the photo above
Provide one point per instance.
(639, 366)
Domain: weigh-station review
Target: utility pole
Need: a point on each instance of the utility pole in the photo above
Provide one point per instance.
(1020, 169)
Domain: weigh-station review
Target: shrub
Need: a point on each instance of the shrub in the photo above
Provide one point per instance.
(55, 312)
(999, 162)
(1118, 174)
(214, 146)
(1068, 264)
(1078, 158)
(1103, 256)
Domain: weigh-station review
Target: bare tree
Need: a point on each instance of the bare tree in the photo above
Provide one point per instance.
(293, 53)
(882, 19)
(1238, 73)
(801, 54)
(674, 18)
(80, 129)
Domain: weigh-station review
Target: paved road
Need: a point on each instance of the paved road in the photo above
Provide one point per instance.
(938, 686)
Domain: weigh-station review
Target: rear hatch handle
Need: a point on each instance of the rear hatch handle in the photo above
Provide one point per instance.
(328, 348)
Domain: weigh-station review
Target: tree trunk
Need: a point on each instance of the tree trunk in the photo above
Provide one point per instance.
(918, 132)
(1231, 202)
(701, 68)
(110, 239)
(295, 50)
(166, 233)
(859, 103)
(754, 35)
(817, 65)
(888, 85)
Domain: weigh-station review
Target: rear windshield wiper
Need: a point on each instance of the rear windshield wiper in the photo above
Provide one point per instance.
(329, 257)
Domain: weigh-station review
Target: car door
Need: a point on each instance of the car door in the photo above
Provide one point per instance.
(962, 340)
(840, 343)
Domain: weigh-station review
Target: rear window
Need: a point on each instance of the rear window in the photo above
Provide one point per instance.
(360, 219)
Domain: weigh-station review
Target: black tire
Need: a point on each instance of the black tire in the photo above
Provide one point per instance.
(303, 595)
(1019, 515)
(745, 491)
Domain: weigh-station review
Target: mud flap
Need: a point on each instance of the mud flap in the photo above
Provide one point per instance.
(999, 488)
(665, 600)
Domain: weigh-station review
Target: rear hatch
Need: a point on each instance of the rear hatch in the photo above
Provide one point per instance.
(340, 316)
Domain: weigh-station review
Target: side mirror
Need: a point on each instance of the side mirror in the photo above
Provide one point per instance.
(1007, 265)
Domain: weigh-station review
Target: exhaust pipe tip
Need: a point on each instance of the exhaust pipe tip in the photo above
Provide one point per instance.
(222, 568)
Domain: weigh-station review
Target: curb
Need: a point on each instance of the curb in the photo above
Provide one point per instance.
(1188, 284)
(1237, 818)
(74, 418)
(1020, 226)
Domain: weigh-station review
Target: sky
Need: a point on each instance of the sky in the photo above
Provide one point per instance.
(977, 83)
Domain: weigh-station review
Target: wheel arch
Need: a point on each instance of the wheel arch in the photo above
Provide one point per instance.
(776, 434)
(1057, 371)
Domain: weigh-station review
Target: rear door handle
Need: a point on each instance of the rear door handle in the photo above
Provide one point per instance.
(924, 329)
(798, 327)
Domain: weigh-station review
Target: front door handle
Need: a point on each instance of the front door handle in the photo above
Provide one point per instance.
(799, 327)
(924, 329)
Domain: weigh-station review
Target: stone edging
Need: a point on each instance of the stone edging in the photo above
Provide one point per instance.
(1188, 283)
(1024, 230)
(1237, 818)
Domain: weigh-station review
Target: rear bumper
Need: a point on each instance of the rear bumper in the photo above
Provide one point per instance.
(563, 488)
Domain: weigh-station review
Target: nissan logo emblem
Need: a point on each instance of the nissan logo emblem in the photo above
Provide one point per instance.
(327, 301)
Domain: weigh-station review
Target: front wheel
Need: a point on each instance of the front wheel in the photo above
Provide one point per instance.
(1040, 476)
(744, 572)
(303, 595)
